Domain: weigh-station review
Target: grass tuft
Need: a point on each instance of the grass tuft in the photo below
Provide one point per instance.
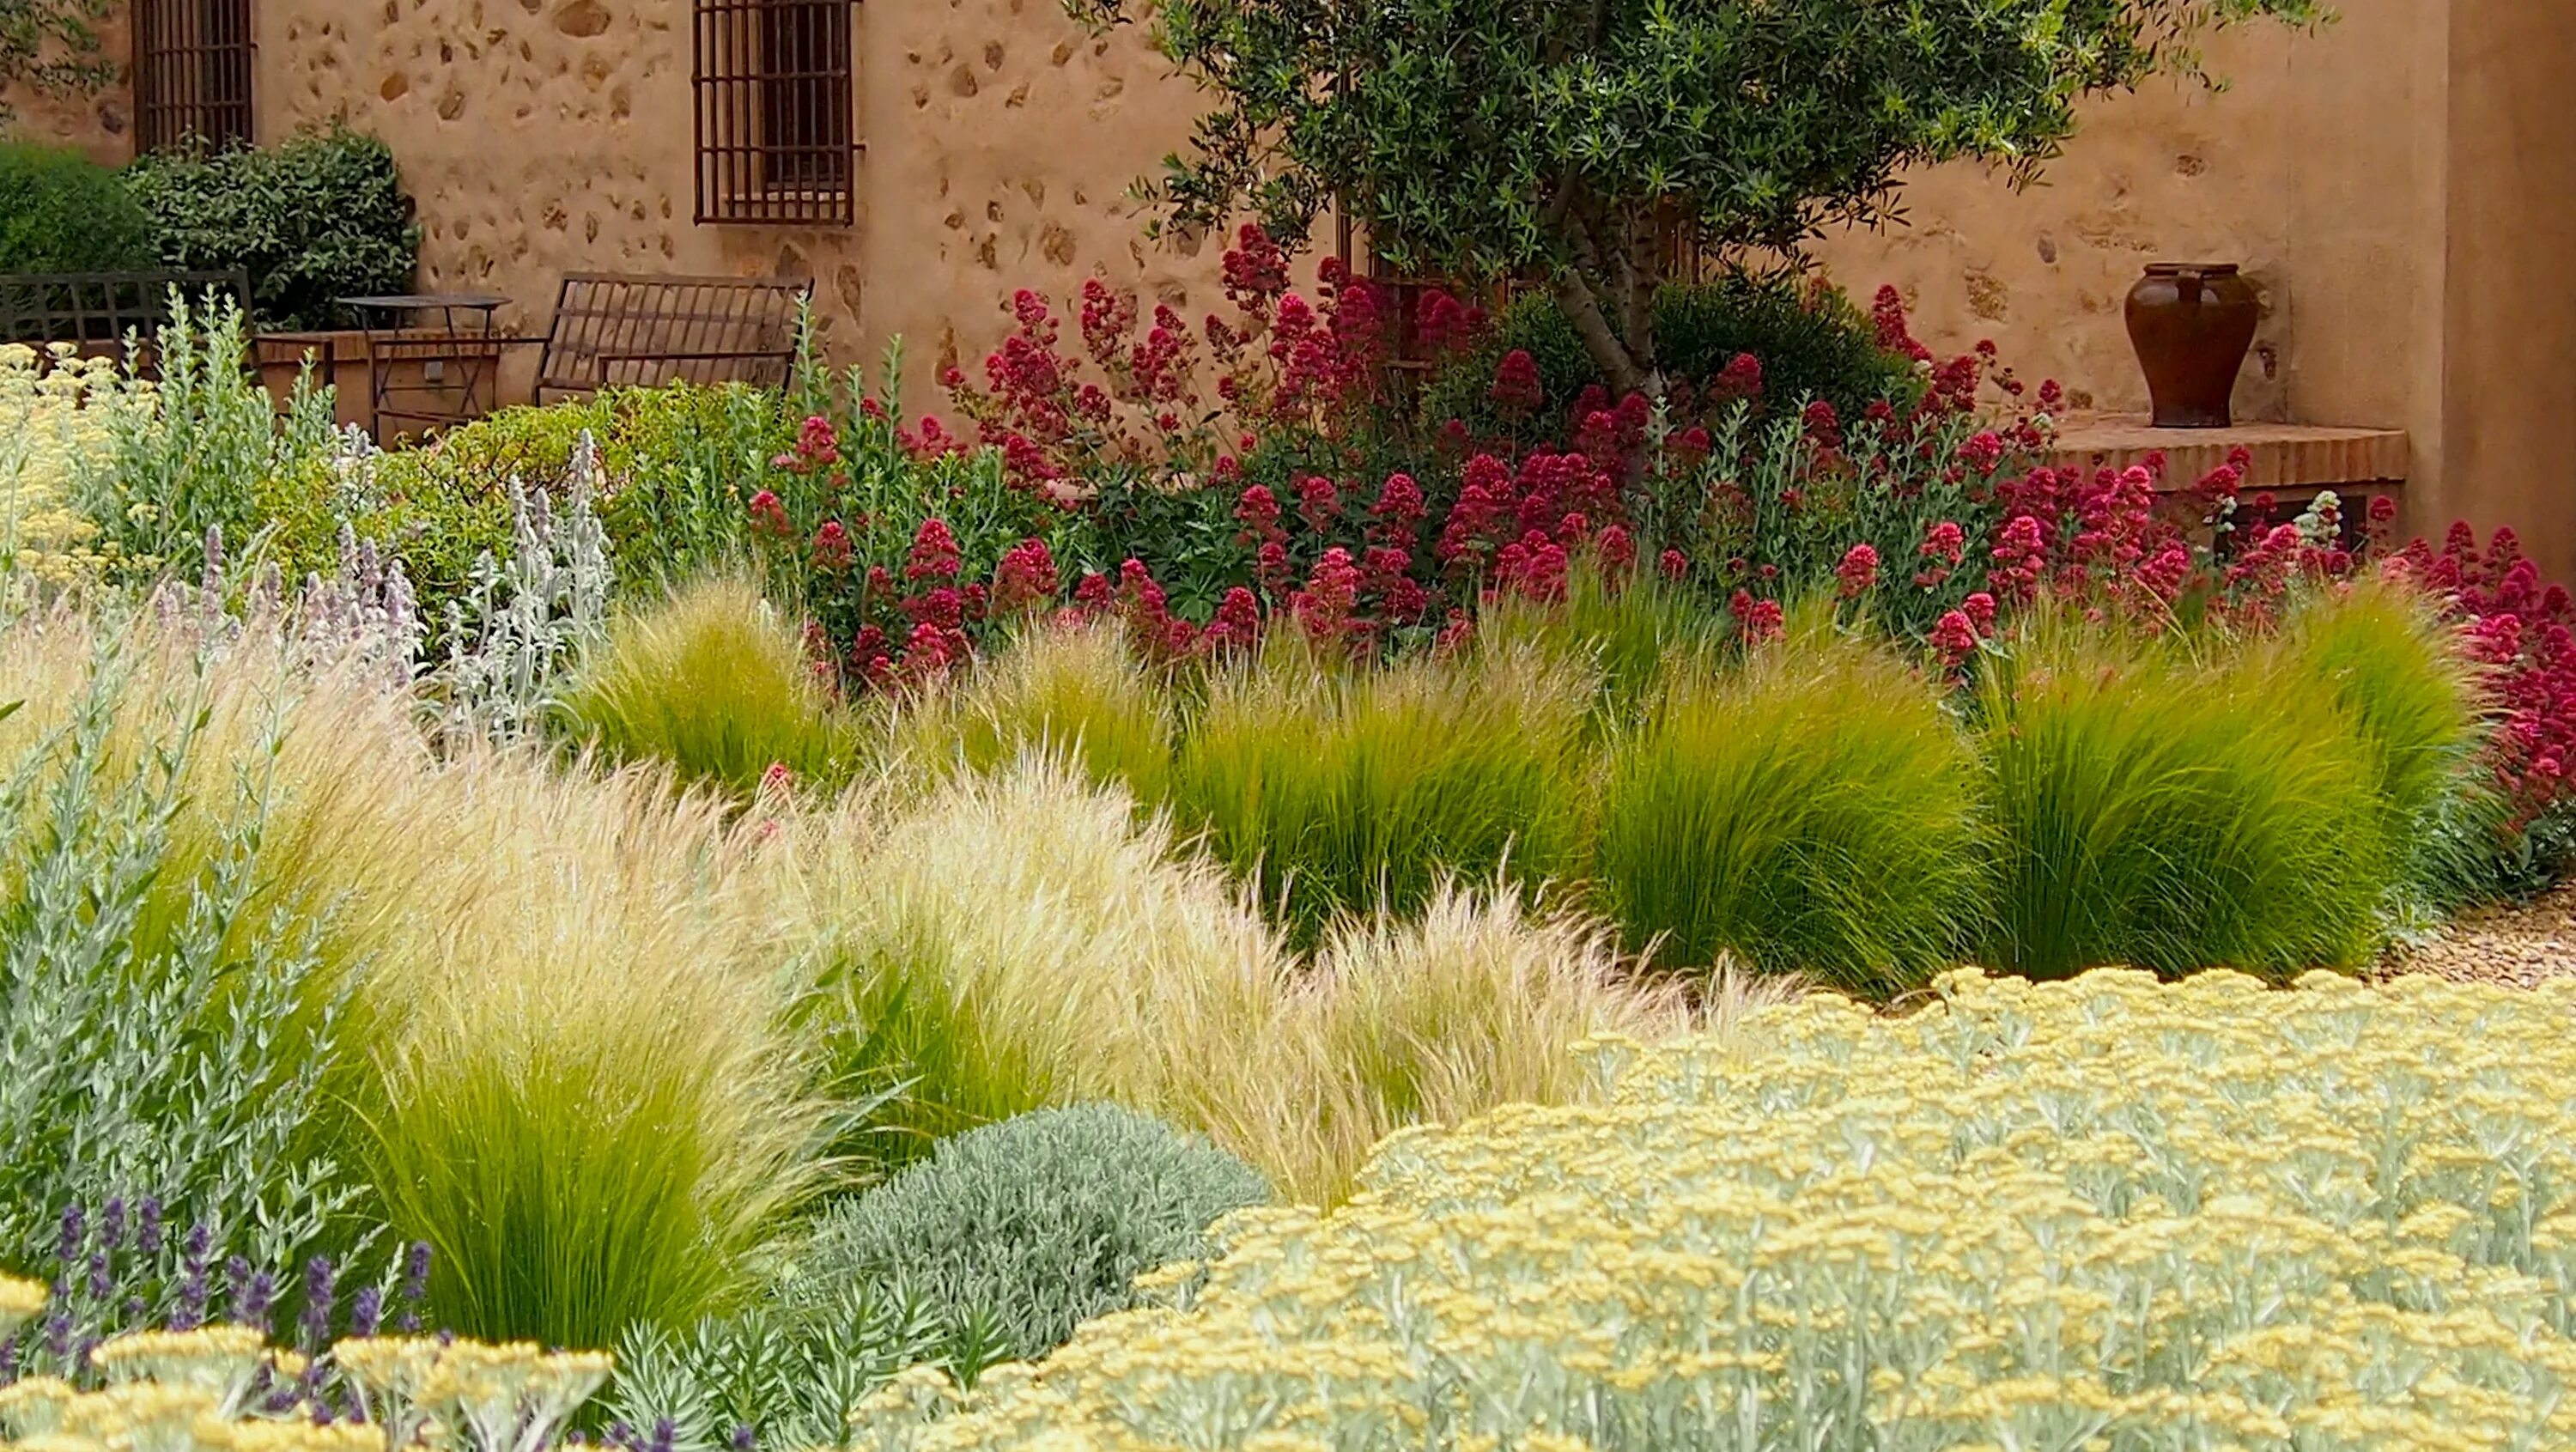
(1812, 809)
(1343, 790)
(1071, 693)
(712, 681)
(2155, 811)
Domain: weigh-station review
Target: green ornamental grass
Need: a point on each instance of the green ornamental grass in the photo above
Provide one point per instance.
(2157, 811)
(1343, 789)
(711, 680)
(1810, 810)
(2382, 652)
(1076, 695)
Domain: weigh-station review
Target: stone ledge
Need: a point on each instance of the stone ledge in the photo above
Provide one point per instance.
(2286, 457)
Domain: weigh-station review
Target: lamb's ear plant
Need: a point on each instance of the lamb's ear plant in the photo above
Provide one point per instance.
(524, 622)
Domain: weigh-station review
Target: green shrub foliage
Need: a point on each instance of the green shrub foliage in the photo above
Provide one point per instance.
(163, 1033)
(62, 212)
(1811, 340)
(1037, 1223)
(320, 217)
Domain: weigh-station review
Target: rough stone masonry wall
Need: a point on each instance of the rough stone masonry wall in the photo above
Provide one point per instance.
(545, 136)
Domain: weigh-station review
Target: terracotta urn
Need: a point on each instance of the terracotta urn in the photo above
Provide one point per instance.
(2191, 323)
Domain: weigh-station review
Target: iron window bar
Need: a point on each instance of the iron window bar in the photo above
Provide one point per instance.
(775, 87)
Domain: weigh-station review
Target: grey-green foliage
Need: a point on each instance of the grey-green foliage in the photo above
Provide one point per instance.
(158, 1037)
(1038, 1222)
(189, 469)
(791, 1376)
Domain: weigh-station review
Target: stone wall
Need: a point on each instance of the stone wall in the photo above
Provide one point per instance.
(545, 136)
(101, 125)
(2399, 185)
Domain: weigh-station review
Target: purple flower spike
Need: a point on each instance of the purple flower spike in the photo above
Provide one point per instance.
(743, 1440)
(111, 1225)
(75, 1235)
(664, 1435)
(319, 1282)
(366, 1311)
(147, 1226)
(251, 1299)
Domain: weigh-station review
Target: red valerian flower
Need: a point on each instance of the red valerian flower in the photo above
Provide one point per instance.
(1858, 571)
(1955, 637)
(1516, 384)
(1332, 592)
(832, 550)
(1741, 378)
(934, 552)
(769, 516)
(1673, 563)
(1025, 579)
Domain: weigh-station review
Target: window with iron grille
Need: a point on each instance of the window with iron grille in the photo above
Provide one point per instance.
(192, 70)
(777, 138)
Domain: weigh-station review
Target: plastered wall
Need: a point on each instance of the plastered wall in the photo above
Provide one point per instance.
(2401, 185)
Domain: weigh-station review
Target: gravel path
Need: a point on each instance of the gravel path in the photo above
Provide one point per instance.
(2518, 945)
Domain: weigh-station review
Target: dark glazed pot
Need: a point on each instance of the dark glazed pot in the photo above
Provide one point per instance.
(2191, 323)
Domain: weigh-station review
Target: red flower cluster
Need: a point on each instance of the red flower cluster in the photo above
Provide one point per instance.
(2524, 632)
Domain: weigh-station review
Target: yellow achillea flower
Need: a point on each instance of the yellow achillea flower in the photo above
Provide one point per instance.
(58, 422)
(21, 1301)
(2100, 1214)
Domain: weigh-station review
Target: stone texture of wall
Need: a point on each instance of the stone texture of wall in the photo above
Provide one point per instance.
(546, 136)
(100, 124)
(2398, 185)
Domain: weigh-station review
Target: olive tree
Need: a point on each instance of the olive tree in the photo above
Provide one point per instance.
(1575, 140)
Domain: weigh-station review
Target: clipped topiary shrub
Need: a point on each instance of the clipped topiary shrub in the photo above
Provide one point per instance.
(1039, 1223)
(62, 212)
(320, 217)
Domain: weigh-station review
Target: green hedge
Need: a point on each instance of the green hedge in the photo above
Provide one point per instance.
(62, 212)
(1812, 342)
(322, 216)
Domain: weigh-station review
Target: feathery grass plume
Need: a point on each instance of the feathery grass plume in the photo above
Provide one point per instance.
(1626, 631)
(578, 1082)
(1020, 940)
(1811, 809)
(1474, 1003)
(2382, 651)
(1343, 789)
(2154, 810)
(591, 1107)
(177, 1019)
(1025, 940)
(1073, 692)
(709, 679)
(581, 1085)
